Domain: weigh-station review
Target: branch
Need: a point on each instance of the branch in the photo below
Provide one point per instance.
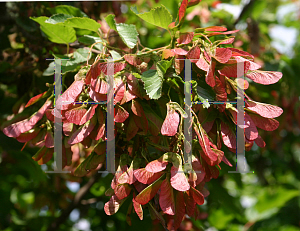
(244, 11)
(76, 201)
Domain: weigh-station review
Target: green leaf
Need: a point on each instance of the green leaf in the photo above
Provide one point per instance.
(220, 218)
(91, 162)
(152, 83)
(70, 10)
(128, 33)
(158, 16)
(83, 23)
(57, 18)
(110, 19)
(162, 67)
(89, 40)
(274, 199)
(115, 55)
(56, 33)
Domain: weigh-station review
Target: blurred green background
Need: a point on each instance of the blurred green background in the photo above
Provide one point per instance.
(265, 200)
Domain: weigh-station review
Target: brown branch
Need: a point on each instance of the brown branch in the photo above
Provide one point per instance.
(76, 201)
(244, 11)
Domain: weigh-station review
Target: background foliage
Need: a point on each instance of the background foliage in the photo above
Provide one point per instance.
(265, 200)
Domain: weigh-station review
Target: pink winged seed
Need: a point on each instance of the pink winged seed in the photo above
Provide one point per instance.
(166, 199)
(70, 95)
(145, 177)
(14, 130)
(170, 125)
(178, 179)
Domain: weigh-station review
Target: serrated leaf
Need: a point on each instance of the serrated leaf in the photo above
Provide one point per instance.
(162, 67)
(70, 10)
(128, 34)
(115, 55)
(83, 23)
(57, 18)
(158, 16)
(57, 33)
(89, 40)
(110, 19)
(152, 83)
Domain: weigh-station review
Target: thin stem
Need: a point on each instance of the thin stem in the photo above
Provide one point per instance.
(68, 46)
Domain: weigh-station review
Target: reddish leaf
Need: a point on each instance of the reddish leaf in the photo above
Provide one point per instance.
(166, 198)
(142, 123)
(224, 33)
(264, 77)
(199, 170)
(138, 209)
(179, 210)
(14, 130)
(49, 114)
(178, 179)
(210, 76)
(119, 91)
(170, 125)
(96, 96)
(132, 129)
(182, 9)
(46, 157)
(185, 38)
(223, 55)
(242, 83)
(122, 191)
(193, 2)
(117, 67)
(133, 85)
(83, 131)
(156, 165)
(215, 28)
(202, 64)
(190, 203)
(260, 142)
(198, 197)
(236, 69)
(266, 124)
(148, 193)
(179, 64)
(34, 99)
(70, 95)
(137, 108)
(194, 54)
(227, 41)
(27, 136)
(67, 128)
(119, 172)
(128, 96)
(237, 52)
(205, 144)
(121, 115)
(49, 139)
(89, 114)
(264, 110)
(226, 161)
(179, 51)
(145, 177)
(251, 132)
(112, 206)
(74, 115)
(167, 53)
(228, 136)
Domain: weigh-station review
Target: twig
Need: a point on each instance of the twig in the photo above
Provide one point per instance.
(244, 11)
(76, 201)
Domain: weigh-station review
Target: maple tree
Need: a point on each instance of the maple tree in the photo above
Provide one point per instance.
(149, 111)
